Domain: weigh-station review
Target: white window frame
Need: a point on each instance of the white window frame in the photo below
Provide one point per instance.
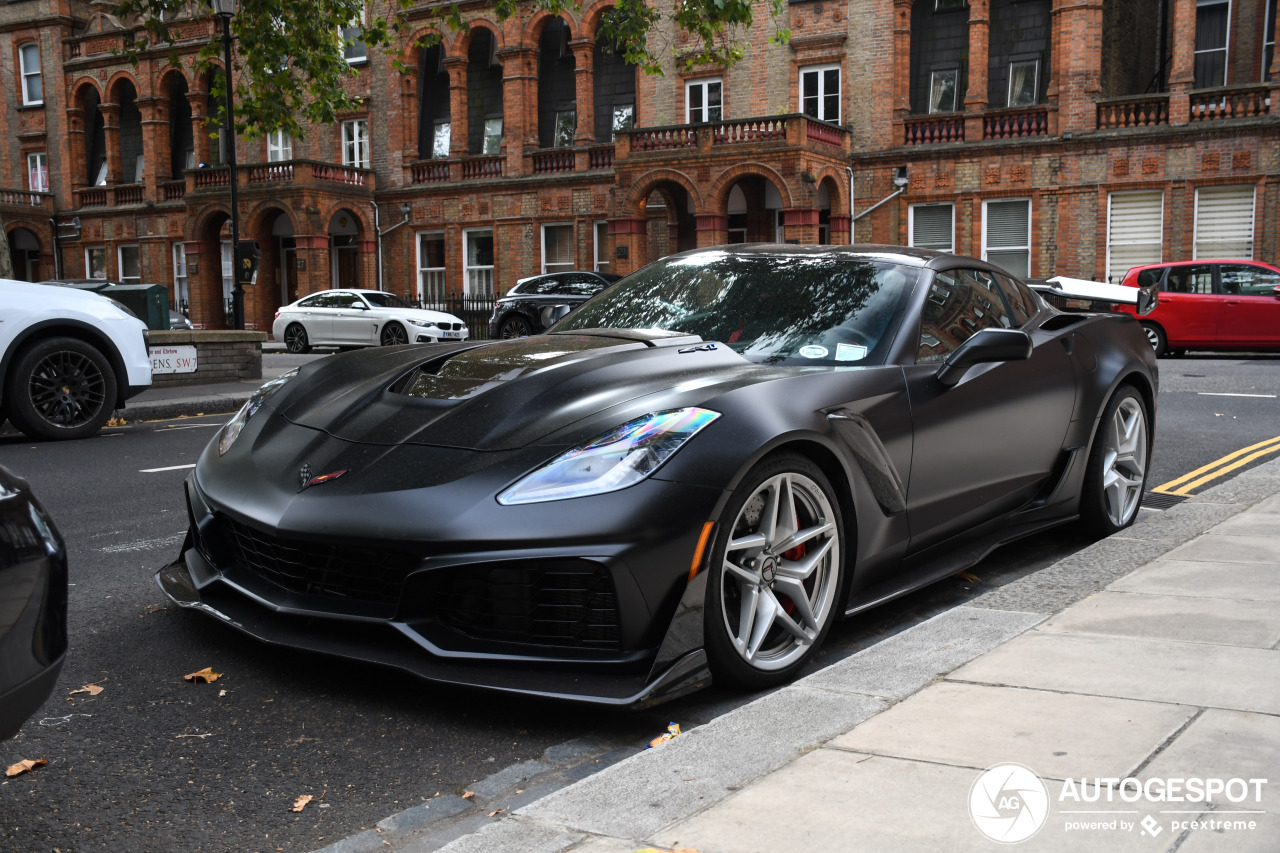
(1225, 50)
(31, 76)
(469, 287)
(624, 118)
(1195, 237)
(821, 70)
(180, 285)
(911, 225)
(598, 228)
(955, 101)
(89, 252)
(355, 143)
(441, 138)
(705, 84)
(355, 51)
(1035, 83)
(491, 142)
(565, 120)
(436, 275)
(560, 266)
(1268, 25)
(279, 146)
(38, 172)
(1114, 275)
(1030, 231)
(120, 252)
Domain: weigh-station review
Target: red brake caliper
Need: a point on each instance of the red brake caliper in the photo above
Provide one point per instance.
(793, 554)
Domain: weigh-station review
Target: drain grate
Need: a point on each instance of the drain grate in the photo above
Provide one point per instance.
(1159, 500)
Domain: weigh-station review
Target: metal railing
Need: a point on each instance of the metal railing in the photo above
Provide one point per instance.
(475, 311)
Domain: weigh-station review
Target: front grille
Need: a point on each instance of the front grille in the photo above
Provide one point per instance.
(346, 571)
(549, 603)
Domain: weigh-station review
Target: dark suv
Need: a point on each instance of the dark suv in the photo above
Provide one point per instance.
(527, 307)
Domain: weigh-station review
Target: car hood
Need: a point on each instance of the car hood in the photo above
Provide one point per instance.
(504, 395)
(417, 314)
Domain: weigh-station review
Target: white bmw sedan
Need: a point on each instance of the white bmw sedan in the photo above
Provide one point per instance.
(361, 318)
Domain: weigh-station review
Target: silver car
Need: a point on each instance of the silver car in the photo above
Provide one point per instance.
(361, 318)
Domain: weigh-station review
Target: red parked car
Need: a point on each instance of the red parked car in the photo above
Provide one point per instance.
(1211, 305)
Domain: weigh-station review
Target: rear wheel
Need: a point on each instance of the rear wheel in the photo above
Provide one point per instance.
(61, 388)
(1117, 472)
(775, 577)
(295, 339)
(514, 327)
(393, 334)
(1157, 339)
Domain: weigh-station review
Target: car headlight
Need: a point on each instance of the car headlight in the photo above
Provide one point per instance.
(425, 323)
(231, 431)
(621, 457)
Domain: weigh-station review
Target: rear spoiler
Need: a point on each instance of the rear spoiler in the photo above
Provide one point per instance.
(1084, 293)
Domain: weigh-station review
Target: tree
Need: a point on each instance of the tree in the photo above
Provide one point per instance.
(290, 62)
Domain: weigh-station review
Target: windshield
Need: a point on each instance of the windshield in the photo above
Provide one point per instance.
(385, 300)
(799, 309)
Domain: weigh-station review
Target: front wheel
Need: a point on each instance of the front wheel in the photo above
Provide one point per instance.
(514, 327)
(393, 334)
(61, 388)
(1117, 472)
(775, 576)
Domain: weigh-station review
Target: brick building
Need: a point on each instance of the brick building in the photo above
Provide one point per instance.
(1050, 136)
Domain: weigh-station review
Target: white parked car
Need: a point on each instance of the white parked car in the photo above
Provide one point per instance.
(68, 359)
(361, 318)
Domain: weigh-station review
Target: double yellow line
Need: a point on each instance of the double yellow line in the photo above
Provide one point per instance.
(1216, 469)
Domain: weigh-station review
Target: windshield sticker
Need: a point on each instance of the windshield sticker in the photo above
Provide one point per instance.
(813, 351)
(850, 352)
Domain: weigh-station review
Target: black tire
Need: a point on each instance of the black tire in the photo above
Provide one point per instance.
(1157, 338)
(774, 577)
(1119, 460)
(295, 339)
(393, 334)
(514, 327)
(61, 388)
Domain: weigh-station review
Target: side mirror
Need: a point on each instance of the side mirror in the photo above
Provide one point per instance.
(1148, 299)
(986, 346)
(553, 313)
(360, 306)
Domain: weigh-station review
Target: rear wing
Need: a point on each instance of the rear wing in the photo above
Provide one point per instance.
(1077, 294)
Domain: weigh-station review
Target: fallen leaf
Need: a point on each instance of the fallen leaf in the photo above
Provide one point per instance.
(157, 608)
(301, 803)
(468, 795)
(91, 689)
(25, 766)
(689, 778)
(222, 693)
(207, 675)
(495, 812)
(971, 578)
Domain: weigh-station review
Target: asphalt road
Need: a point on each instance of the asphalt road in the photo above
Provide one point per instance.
(156, 763)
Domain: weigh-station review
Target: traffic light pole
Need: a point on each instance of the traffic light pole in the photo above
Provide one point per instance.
(237, 291)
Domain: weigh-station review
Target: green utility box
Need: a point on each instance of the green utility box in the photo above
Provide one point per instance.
(150, 302)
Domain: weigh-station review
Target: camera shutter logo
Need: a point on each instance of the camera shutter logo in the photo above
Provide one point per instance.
(1008, 803)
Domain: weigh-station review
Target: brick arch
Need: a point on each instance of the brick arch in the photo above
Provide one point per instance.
(78, 87)
(649, 181)
(840, 197)
(166, 79)
(113, 84)
(449, 42)
(464, 40)
(719, 193)
(362, 222)
(204, 221)
(591, 16)
(264, 212)
(533, 29)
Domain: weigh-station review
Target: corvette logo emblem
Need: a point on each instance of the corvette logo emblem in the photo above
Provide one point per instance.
(305, 480)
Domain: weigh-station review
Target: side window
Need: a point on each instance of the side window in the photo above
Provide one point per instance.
(343, 300)
(959, 304)
(1192, 279)
(1020, 299)
(1248, 280)
(312, 302)
(1146, 278)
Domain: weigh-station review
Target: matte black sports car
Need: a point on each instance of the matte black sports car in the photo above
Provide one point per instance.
(33, 604)
(692, 475)
(527, 308)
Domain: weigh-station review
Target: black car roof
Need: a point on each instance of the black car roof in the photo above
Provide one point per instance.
(905, 255)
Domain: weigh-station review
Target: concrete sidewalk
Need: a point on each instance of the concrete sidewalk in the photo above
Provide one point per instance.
(214, 398)
(1160, 663)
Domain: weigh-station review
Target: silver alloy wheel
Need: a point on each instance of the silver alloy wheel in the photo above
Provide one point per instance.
(1124, 461)
(781, 567)
(1153, 337)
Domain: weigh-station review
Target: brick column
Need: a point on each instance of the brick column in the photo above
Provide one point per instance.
(838, 229)
(630, 234)
(407, 126)
(75, 145)
(800, 224)
(111, 133)
(155, 145)
(457, 68)
(975, 99)
(584, 55)
(519, 101)
(901, 105)
(1182, 70)
(199, 102)
(1076, 76)
(712, 229)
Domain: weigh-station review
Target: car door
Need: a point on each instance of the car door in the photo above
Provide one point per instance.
(1189, 307)
(984, 446)
(352, 321)
(313, 313)
(1250, 313)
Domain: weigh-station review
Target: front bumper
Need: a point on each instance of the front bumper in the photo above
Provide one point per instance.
(618, 623)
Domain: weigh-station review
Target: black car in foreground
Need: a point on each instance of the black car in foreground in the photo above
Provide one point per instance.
(536, 302)
(691, 476)
(33, 603)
